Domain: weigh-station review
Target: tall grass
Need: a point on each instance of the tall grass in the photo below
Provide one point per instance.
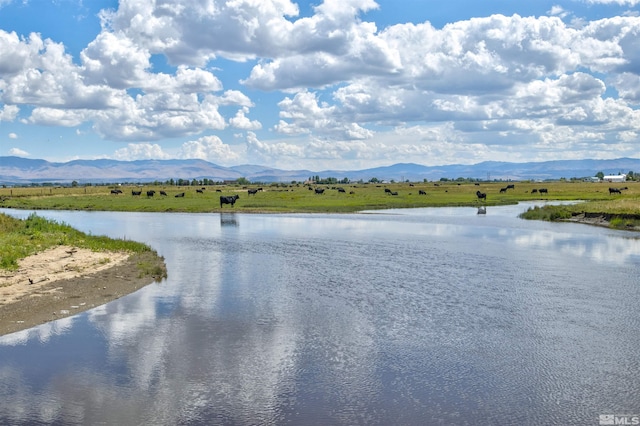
(21, 238)
(548, 213)
(622, 212)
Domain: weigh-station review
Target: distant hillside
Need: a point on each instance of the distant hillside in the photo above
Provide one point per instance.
(17, 170)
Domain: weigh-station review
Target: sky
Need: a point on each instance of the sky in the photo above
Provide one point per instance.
(328, 84)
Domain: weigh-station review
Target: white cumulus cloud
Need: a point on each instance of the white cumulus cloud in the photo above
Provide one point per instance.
(9, 112)
(18, 152)
(340, 87)
(141, 151)
(241, 121)
(210, 148)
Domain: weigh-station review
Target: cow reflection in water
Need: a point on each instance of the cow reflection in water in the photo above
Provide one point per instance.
(228, 219)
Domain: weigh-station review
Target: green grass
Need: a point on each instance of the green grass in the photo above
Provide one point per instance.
(21, 238)
(151, 269)
(281, 198)
(298, 198)
(548, 213)
(623, 212)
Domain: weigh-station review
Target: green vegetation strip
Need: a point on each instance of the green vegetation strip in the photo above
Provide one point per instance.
(296, 197)
(620, 209)
(621, 213)
(22, 238)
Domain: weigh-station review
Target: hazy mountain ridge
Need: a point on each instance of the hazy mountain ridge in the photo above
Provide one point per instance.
(18, 170)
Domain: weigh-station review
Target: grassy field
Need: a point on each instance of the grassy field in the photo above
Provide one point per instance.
(21, 238)
(301, 198)
(621, 210)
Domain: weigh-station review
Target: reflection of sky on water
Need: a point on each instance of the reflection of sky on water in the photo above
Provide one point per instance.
(598, 244)
(342, 319)
(605, 249)
(42, 333)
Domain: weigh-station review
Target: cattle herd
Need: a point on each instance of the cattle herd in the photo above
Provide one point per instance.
(232, 199)
(223, 199)
(253, 191)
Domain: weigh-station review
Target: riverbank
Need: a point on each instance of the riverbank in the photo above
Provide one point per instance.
(117, 271)
(621, 215)
(64, 281)
(299, 198)
(49, 270)
(606, 221)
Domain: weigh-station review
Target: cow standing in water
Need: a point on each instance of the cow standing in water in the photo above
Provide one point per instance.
(229, 200)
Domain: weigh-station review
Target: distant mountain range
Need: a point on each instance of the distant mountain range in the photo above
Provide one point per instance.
(18, 170)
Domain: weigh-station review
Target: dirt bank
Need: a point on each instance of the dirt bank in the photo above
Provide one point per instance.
(64, 281)
(603, 219)
(597, 220)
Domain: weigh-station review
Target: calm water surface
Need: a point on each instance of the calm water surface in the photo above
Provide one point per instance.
(403, 317)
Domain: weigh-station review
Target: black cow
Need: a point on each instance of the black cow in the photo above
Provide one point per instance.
(481, 195)
(200, 191)
(543, 191)
(163, 193)
(180, 195)
(150, 193)
(252, 191)
(503, 190)
(341, 190)
(614, 191)
(228, 200)
(319, 190)
(393, 193)
(511, 187)
(116, 191)
(134, 193)
(534, 191)
(421, 192)
(387, 190)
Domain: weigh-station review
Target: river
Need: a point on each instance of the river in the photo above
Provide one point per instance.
(403, 317)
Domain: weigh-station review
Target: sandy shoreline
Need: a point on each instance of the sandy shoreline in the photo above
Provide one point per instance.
(64, 281)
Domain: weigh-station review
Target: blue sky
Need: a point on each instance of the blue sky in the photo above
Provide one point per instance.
(334, 84)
